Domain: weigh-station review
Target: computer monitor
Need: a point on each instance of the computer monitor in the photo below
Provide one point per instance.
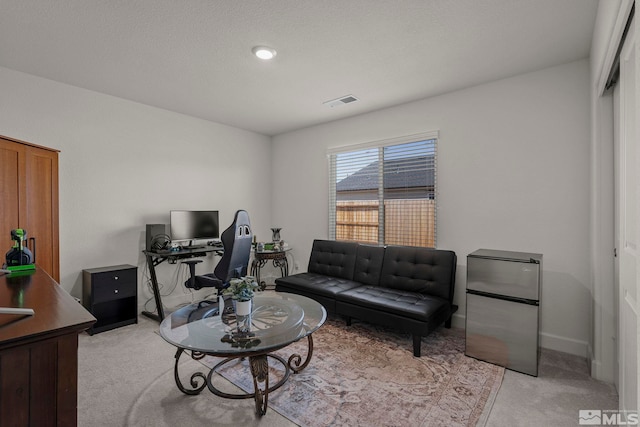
(193, 225)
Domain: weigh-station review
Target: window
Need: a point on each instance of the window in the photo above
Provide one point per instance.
(384, 192)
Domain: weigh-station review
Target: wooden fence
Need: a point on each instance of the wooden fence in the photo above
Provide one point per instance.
(408, 222)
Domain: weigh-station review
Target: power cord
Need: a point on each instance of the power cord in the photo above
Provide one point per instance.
(180, 275)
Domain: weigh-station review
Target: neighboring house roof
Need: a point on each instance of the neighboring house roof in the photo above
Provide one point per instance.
(398, 173)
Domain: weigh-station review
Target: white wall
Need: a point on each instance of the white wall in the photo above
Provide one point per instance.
(123, 165)
(513, 174)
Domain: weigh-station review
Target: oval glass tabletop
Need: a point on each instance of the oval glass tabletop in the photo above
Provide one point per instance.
(278, 319)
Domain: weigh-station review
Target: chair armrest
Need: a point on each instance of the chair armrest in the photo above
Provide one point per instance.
(191, 282)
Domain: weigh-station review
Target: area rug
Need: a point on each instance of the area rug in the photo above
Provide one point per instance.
(363, 375)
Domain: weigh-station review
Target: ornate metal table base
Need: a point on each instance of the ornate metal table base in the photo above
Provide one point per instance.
(279, 260)
(259, 365)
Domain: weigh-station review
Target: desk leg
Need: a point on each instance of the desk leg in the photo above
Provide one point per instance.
(286, 266)
(256, 266)
(156, 292)
(283, 265)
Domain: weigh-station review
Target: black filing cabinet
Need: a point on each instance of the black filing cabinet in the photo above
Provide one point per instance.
(111, 295)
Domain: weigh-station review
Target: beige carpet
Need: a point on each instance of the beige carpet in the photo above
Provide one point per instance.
(125, 378)
(365, 375)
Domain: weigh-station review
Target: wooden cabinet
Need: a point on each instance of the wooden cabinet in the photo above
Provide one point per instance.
(29, 199)
(39, 353)
(111, 295)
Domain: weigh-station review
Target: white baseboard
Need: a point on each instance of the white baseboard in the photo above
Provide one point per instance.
(564, 344)
(599, 370)
(458, 320)
(596, 367)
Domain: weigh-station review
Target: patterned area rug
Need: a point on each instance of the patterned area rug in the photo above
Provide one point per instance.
(367, 375)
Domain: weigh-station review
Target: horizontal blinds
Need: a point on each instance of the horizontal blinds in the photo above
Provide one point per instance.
(384, 194)
(332, 197)
(384, 143)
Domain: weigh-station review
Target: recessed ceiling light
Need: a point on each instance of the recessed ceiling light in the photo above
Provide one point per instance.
(264, 52)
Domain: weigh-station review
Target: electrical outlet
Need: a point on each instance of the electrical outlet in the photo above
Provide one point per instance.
(296, 267)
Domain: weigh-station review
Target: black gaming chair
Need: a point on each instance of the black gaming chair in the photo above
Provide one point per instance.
(236, 241)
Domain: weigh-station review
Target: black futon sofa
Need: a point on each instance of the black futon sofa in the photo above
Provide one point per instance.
(402, 287)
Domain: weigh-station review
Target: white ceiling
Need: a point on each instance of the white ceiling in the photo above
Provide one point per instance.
(194, 56)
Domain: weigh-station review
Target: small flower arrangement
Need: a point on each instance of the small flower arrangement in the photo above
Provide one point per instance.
(242, 289)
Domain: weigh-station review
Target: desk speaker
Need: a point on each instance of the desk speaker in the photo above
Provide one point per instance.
(156, 230)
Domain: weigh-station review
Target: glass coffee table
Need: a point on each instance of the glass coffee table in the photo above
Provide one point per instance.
(278, 319)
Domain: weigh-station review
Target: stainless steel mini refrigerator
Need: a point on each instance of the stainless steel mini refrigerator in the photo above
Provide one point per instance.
(503, 302)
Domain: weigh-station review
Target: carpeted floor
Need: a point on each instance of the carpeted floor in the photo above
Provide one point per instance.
(125, 378)
(554, 398)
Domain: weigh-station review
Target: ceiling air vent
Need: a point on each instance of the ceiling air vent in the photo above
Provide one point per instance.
(347, 99)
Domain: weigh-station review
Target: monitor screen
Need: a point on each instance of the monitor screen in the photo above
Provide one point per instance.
(191, 225)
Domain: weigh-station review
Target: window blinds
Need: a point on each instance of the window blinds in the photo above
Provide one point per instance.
(384, 192)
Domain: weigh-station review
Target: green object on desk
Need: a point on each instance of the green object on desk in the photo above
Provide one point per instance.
(20, 268)
(268, 246)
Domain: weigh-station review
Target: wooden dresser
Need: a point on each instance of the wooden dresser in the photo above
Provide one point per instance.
(39, 353)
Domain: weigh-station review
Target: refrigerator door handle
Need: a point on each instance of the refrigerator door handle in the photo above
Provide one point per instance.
(529, 261)
(503, 297)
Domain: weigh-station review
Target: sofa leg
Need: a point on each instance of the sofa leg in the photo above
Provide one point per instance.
(447, 323)
(417, 341)
(348, 320)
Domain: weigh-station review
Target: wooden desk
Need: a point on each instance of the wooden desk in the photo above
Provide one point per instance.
(39, 353)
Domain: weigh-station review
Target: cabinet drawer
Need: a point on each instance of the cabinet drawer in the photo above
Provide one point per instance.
(116, 284)
(109, 291)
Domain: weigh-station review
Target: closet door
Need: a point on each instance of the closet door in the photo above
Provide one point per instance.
(627, 226)
(40, 217)
(11, 163)
(29, 200)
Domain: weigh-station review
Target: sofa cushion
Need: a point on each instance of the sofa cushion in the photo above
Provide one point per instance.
(368, 264)
(313, 283)
(422, 270)
(332, 258)
(410, 304)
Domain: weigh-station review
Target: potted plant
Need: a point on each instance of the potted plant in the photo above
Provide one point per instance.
(241, 290)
